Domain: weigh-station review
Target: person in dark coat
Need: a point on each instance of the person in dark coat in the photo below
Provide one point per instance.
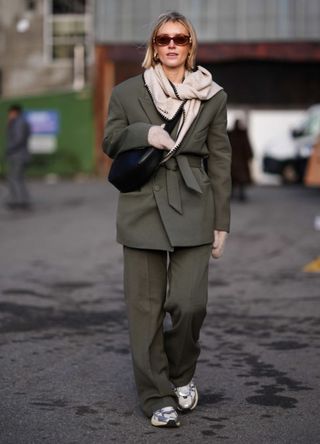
(241, 157)
(17, 157)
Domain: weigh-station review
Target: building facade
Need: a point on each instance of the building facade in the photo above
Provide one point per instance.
(264, 53)
(44, 45)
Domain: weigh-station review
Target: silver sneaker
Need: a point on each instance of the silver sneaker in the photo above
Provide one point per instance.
(187, 396)
(165, 417)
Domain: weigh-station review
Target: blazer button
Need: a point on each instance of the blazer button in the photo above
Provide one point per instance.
(156, 188)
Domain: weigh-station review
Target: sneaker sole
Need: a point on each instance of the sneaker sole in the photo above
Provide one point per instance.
(195, 401)
(170, 424)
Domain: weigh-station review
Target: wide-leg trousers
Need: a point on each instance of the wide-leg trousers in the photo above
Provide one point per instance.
(155, 283)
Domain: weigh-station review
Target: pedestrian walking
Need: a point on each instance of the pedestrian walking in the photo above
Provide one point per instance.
(170, 226)
(241, 157)
(17, 158)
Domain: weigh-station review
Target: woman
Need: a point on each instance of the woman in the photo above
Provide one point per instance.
(171, 225)
(241, 157)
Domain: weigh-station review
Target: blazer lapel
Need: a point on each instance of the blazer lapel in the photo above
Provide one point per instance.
(198, 115)
(150, 110)
(190, 130)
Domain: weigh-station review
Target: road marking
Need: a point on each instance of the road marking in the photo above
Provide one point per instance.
(313, 267)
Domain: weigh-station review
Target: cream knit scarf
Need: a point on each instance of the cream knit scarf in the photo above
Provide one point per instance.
(168, 97)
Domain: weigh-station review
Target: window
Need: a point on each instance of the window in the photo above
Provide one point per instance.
(313, 124)
(68, 6)
(68, 25)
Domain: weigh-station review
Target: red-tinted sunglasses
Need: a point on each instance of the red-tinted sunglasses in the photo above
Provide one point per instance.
(178, 39)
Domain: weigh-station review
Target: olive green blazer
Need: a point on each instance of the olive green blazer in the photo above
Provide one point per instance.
(182, 204)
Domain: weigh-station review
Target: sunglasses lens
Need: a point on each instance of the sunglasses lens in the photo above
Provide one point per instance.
(179, 39)
(162, 40)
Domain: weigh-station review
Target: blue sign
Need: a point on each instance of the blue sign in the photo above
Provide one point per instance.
(43, 121)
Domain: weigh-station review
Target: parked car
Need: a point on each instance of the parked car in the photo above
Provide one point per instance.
(288, 155)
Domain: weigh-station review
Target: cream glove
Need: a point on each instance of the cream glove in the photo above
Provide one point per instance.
(160, 138)
(220, 238)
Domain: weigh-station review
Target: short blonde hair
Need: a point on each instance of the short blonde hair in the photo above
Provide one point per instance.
(150, 60)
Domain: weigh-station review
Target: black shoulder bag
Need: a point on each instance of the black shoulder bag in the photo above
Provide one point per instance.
(132, 169)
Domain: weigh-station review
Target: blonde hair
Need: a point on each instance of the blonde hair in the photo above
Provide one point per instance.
(172, 16)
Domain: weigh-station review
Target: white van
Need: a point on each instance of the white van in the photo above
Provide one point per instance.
(287, 156)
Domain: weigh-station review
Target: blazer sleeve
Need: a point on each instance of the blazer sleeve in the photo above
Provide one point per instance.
(119, 135)
(219, 166)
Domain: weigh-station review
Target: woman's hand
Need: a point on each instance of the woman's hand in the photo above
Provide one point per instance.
(220, 238)
(160, 138)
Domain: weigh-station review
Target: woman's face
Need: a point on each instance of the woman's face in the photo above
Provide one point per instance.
(172, 55)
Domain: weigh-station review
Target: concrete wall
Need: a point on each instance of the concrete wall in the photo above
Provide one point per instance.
(24, 67)
(215, 20)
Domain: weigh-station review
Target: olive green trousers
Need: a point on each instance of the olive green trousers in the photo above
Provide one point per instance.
(155, 283)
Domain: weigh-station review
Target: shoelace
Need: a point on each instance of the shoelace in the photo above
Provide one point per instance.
(167, 412)
(186, 390)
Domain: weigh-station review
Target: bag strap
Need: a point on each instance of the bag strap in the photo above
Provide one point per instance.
(169, 126)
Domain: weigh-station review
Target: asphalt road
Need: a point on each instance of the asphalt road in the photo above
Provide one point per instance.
(65, 366)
